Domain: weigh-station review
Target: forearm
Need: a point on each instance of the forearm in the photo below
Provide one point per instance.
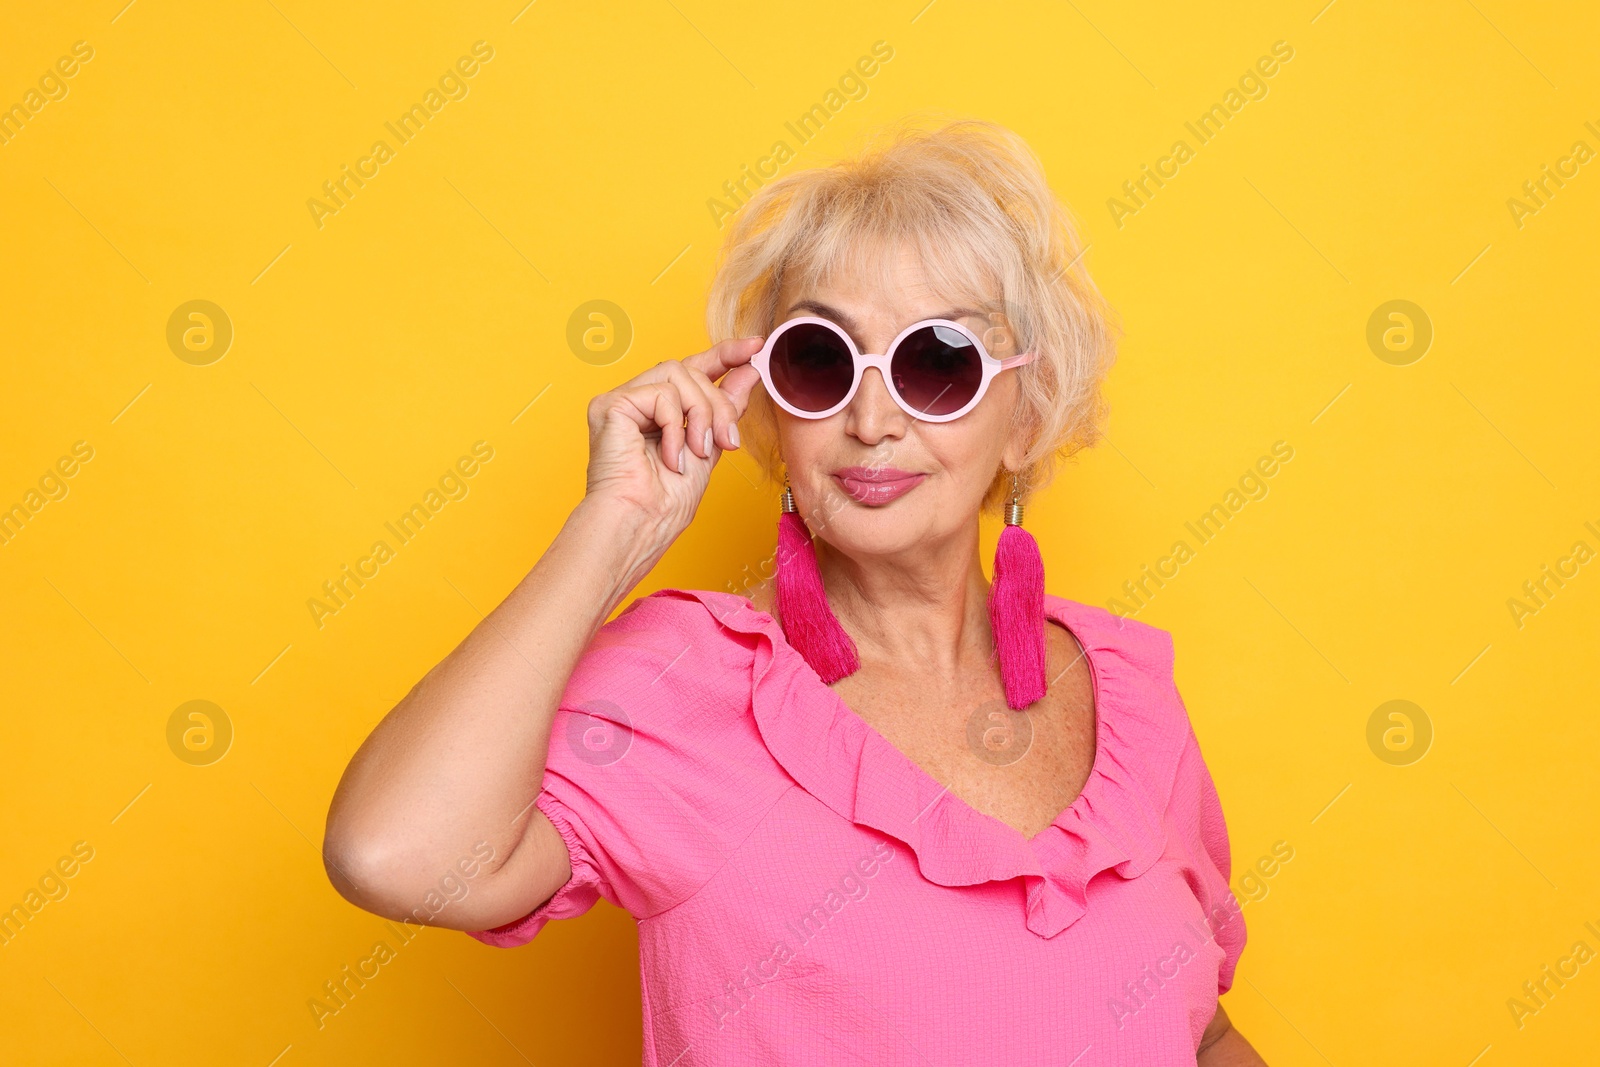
(459, 760)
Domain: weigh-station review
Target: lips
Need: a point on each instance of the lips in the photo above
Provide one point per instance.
(876, 486)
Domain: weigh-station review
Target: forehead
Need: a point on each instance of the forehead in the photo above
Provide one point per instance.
(880, 282)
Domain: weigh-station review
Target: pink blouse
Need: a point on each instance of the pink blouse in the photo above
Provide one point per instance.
(807, 894)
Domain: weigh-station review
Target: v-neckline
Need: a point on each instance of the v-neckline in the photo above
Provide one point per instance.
(1116, 825)
(1054, 612)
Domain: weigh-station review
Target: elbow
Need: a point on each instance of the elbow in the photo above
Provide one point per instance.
(367, 869)
(351, 865)
(340, 860)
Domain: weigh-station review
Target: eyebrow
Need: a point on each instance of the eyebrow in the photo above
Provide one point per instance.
(819, 308)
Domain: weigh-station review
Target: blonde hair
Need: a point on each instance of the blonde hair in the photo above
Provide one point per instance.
(971, 200)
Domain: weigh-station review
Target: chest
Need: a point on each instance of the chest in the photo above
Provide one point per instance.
(1021, 767)
(794, 946)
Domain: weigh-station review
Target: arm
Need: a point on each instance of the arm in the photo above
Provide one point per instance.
(1223, 1046)
(462, 755)
(450, 774)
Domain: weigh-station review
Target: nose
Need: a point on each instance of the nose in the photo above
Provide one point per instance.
(873, 415)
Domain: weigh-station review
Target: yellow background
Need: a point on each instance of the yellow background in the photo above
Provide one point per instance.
(431, 310)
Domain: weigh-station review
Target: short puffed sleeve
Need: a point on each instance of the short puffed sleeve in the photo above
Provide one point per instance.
(653, 772)
(1194, 815)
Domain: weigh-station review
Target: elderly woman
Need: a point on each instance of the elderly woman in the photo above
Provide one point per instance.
(881, 810)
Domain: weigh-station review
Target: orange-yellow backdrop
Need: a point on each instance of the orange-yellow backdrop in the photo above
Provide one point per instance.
(1441, 458)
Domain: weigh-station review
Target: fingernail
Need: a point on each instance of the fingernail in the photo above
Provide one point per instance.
(733, 434)
(708, 442)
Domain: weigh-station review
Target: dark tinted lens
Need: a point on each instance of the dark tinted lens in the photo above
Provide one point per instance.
(937, 370)
(811, 367)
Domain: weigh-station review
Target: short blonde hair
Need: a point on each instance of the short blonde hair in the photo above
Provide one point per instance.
(971, 200)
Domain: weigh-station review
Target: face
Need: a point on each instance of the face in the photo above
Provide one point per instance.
(871, 480)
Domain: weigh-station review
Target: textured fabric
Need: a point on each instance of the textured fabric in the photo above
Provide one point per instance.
(806, 894)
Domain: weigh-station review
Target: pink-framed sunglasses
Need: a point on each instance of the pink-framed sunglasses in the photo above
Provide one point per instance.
(936, 370)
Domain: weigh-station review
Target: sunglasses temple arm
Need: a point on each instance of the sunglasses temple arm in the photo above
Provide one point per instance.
(1017, 361)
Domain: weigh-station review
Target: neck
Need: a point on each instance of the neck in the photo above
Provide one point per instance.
(927, 606)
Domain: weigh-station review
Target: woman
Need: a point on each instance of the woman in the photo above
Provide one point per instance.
(874, 812)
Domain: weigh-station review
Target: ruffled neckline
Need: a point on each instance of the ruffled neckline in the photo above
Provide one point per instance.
(1115, 823)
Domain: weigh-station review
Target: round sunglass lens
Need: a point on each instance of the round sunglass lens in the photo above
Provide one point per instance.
(811, 367)
(937, 370)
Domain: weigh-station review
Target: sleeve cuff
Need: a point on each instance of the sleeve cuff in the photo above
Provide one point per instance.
(571, 900)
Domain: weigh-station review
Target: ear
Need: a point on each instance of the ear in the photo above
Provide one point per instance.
(1011, 458)
(1024, 426)
(1016, 448)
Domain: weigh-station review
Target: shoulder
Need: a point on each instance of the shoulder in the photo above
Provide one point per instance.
(667, 618)
(1145, 721)
(670, 647)
(1139, 644)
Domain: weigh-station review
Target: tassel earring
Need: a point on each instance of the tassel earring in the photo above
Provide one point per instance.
(1016, 608)
(808, 622)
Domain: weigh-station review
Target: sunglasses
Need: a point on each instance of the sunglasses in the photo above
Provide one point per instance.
(936, 370)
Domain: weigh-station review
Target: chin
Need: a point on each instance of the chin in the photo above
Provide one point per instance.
(858, 530)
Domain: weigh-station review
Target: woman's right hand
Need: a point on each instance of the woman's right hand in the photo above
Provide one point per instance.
(642, 454)
(461, 758)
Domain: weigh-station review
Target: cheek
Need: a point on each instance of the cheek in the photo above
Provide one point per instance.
(971, 459)
(971, 451)
(810, 449)
(804, 443)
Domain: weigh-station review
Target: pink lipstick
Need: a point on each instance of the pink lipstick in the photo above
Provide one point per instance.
(876, 486)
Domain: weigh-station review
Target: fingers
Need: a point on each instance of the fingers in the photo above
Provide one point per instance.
(725, 357)
(699, 410)
(669, 416)
(737, 385)
(724, 412)
(667, 411)
(678, 408)
(652, 407)
(682, 401)
(710, 413)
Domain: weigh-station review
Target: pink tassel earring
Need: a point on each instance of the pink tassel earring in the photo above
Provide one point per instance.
(1016, 608)
(808, 622)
